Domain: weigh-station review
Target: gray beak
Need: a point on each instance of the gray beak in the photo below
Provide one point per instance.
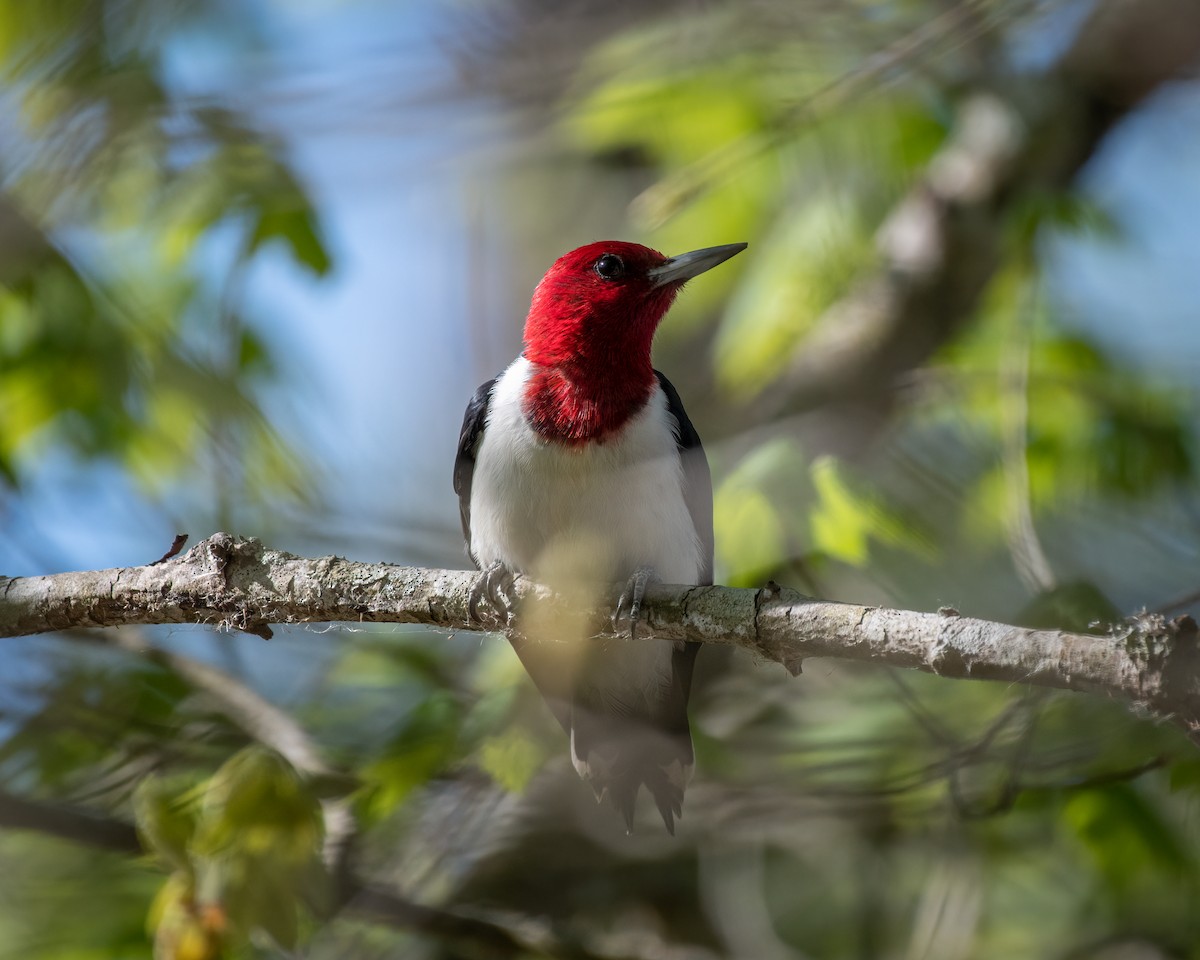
(688, 265)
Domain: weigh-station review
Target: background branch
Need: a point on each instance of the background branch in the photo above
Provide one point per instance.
(944, 241)
(68, 823)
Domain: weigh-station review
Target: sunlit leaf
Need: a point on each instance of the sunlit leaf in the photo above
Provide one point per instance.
(807, 261)
(166, 822)
(752, 534)
(847, 517)
(257, 803)
(511, 759)
(426, 744)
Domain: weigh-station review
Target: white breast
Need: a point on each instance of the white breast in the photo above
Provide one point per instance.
(592, 513)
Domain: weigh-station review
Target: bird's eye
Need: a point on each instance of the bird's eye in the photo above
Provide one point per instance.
(609, 266)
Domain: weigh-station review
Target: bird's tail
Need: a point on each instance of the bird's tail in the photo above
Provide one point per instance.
(618, 755)
(622, 736)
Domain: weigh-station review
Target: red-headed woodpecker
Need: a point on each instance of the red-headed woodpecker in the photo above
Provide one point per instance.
(578, 465)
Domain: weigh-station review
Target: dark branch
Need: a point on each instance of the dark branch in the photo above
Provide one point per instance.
(68, 823)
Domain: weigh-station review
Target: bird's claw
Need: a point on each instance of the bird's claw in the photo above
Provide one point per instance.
(494, 584)
(630, 602)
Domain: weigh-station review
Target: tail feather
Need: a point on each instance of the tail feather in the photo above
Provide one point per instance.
(616, 757)
(622, 793)
(626, 734)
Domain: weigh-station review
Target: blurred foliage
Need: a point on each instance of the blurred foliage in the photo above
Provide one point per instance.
(244, 850)
(847, 813)
(116, 341)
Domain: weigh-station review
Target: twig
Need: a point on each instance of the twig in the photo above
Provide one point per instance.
(176, 546)
(245, 707)
(264, 722)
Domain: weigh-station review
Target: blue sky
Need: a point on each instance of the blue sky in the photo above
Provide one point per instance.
(1138, 291)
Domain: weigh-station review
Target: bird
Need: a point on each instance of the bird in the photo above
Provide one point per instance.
(578, 466)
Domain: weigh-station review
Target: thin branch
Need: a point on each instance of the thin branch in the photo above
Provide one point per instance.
(1189, 599)
(234, 583)
(176, 545)
(245, 707)
(1029, 557)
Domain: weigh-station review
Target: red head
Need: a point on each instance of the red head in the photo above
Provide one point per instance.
(589, 333)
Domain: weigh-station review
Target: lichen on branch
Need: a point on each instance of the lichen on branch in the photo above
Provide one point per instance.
(236, 583)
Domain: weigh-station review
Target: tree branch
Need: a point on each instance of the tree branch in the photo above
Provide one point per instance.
(247, 709)
(942, 244)
(68, 823)
(235, 583)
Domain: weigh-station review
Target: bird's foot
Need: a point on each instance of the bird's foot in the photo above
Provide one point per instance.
(494, 584)
(630, 602)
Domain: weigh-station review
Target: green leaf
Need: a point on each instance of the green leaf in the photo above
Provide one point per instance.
(1126, 834)
(257, 804)
(819, 245)
(511, 759)
(427, 744)
(752, 532)
(165, 823)
(848, 517)
(1185, 775)
(297, 228)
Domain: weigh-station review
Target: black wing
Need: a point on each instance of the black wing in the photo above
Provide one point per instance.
(697, 481)
(547, 664)
(474, 420)
(697, 493)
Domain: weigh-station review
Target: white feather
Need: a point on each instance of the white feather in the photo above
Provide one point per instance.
(586, 515)
(599, 510)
